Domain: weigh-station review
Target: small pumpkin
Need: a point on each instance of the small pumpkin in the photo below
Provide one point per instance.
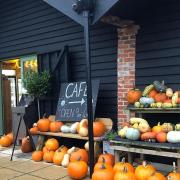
(79, 154)
(77, 169)
(62, 149)
(152, 93)
(133, 95)
(44, 150)
(148, 136)
(166, 127)
(125, 175)
(58, 157)
(144, 171)
(158, 128)
(132, 134)
(37, 156)
(120, 166)
(103, 174)
(98, 129)
(83, 128)
(98, 165)
(161, 137)
(74, 127)
(48, 156)
(160, 87)
(52, 144)
(107, 157)
(160, 97)
(5, 141)
(173, 136)
(34, 130)
(43, 124)
(26, 146)
(173, 175)
(55, 126)
(11, 136)
(156, 176)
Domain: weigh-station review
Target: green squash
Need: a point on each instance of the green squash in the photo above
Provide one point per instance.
(132, 134)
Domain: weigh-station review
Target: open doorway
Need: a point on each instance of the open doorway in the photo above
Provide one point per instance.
(13, 71)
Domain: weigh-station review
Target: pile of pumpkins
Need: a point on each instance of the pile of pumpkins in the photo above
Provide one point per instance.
(155, 95)
(6, 140)
(45, 125)
(139, 129)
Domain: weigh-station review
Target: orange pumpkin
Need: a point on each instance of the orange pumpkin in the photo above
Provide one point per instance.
(79, 154)
(99, 165)
(133, 95)
(167, 101)
(158, 128)
(48, 156)
(160, 97)
(62, 149)
(58, 157)
(144, 171)
(37, 156)
(26, 146)
(109, 158)
(152, 93)
(157, 176)
(173, 175)
(34, 130)
(124, 175)
(5, 141)
(161, 137)
(121, 166)
(98, 129)
(44, 149)
(55, 126)
(10, 135)
(103, 174)
(52, 144)
(178, 101)
(43, 124)
(148, 135)
(77, 169)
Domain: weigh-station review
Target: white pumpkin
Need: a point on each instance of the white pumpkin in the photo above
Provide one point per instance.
(65, 129)
(173, 136)
(74, 127)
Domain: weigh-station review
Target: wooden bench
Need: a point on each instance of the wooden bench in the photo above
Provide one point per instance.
(143, 148)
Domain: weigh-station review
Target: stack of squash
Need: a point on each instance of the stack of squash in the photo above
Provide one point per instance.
(155, 95)
(139, 129)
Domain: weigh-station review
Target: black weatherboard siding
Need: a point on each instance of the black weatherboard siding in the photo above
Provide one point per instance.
(158, 45)
(32, 26)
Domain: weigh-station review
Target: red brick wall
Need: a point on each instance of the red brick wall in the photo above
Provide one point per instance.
(125, 67)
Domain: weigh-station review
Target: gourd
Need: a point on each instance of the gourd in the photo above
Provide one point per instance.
(137, 104)
(132, 134)
(153, 105)
(65, 160)
(177, 127)
(167, 105)
(143, 127)
(166, 127)
(83, 128)
(71, 150)
(159, 104)
(134, 120)
(147, 90)
(169, 92)
(160, 87)
(173, 136)
(65, 129)
(122, 132)
(146, 100)
(74, 127)
(175, 98)
(133, 95)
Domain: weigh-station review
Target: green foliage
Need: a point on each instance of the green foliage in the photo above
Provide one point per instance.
(110, 135)
(37, 84)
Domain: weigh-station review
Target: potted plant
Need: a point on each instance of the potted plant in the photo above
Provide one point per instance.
(37, 84)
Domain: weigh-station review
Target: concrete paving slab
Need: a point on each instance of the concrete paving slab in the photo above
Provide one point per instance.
(6, 174)
(27, 177)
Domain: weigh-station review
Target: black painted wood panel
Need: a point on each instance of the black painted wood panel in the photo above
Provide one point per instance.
(32, 26)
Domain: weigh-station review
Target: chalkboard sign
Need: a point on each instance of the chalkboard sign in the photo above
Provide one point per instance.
(72, 104)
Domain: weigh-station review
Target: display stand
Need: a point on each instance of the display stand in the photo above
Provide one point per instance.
(156, 149)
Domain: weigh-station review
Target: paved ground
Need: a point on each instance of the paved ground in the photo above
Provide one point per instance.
(22, 168)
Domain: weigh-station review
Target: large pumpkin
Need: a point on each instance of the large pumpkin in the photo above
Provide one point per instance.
(121, 166)
(124, 175)
(43, 125)
(55, 126)
(26, 146)
(37, 156)
(79, 154)
(48, 156)
(5, 141)
(133, 96)
(157, 176)
(160, 97)
(98, 129)
(144, 171)
(103, 174)
(52, 144)
(77, 169)
(107, 157)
